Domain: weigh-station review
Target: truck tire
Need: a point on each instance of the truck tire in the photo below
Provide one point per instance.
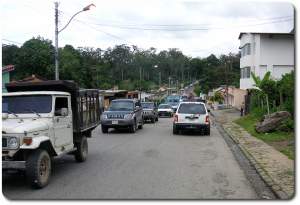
(82, 150)
(104, 129)
(132, 128)
(175, 130)
(141, 125)
(38, 168)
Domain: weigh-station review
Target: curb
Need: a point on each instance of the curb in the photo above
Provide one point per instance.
(262, 173)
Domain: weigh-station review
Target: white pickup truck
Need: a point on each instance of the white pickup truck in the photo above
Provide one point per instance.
(43, 120)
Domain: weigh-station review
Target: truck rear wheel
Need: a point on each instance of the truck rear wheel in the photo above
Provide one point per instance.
(133, 127)
(38, 168)
(82, 150)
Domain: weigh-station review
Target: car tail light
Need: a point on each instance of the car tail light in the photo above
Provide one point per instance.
(207, 119)
(175, 118)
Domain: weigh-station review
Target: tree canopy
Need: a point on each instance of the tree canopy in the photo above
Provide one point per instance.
(129, 67)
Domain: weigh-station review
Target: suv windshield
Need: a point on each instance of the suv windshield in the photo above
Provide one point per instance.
(27, 104)
(192, 109)
(164, 106)
(121, 106)
(148, 105)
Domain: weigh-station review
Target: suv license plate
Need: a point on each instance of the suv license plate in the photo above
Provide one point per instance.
(114, 122)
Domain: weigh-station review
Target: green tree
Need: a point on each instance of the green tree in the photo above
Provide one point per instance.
(36, 56)
(259, 86)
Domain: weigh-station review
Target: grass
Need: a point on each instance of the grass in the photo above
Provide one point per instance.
(278, 139)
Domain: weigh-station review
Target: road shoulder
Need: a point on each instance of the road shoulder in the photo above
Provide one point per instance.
(275, 169)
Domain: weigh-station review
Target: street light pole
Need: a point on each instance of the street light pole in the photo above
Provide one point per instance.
(58, 31)
(56, 41)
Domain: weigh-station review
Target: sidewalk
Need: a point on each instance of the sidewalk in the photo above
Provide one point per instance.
(274, 167)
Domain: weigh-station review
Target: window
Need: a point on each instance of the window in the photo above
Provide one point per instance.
(192, 109)
(248, 72)
(121, 105)
(246, 50)
(60, 102)
(245, 72)
(27, 104)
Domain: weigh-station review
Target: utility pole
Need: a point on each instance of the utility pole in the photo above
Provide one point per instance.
(226, 80)
(169, 90)
(159, 79)
(56, 41)
(140, 83)
(58, 31)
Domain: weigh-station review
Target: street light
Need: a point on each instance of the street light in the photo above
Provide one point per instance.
(159, 76)
(88, 7)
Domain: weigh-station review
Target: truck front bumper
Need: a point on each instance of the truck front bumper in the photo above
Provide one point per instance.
(14, 165)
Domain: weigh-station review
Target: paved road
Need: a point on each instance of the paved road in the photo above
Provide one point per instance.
(150, 164)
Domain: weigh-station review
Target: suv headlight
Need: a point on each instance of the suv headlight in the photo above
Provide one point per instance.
(104, 116)
(127, 116)
(12, 142)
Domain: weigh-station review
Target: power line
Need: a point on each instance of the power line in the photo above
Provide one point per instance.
(10, 41)
(96, 29)
(191, 29)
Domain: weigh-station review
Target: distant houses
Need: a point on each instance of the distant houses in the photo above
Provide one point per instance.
(6, 78)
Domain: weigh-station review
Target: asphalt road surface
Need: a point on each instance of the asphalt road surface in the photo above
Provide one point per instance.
(150, 164)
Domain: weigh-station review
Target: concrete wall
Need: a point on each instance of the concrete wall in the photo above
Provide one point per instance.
(236, 97)
(5, 79)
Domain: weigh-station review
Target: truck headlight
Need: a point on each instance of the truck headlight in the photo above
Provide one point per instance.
(127, 116)
(12, 142)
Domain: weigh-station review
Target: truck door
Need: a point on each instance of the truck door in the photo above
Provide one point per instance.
(63, 128)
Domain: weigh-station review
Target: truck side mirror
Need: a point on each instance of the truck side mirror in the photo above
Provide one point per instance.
(61, 112)
(64, 111)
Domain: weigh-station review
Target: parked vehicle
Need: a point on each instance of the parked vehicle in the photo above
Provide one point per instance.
(43, 120)
(165, 110)
(183, 98)
(191, 116)
(150, 111)
(123, 113)
(173, 101)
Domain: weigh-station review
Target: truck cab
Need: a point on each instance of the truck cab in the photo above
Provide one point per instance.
(39, 125)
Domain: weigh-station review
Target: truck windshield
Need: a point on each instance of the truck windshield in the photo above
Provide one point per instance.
(121, 106)
(27, 104)
(148, 105)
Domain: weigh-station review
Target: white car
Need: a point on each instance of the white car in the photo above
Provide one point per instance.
(191, 116)
(165, 110)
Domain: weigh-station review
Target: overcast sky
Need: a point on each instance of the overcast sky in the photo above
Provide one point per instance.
(198, 28)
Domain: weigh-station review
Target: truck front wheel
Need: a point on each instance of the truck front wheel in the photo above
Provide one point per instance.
(82, 150)
(38, 168)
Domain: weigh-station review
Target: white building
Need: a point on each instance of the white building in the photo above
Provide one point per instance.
(262, 52)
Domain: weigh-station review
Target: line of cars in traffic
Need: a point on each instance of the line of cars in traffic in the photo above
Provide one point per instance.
(131, 114)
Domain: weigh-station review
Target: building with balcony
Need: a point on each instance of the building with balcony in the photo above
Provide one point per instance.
(263, 52)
